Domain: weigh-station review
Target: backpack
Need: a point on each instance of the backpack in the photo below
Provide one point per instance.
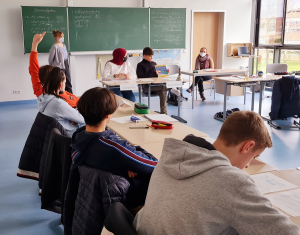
(172, 99)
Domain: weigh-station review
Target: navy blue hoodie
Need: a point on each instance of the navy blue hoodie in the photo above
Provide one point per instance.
(105, 151)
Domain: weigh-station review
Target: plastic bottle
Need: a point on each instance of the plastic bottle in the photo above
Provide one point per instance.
(247, 74)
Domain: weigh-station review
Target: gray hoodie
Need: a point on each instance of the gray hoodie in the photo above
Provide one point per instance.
(194, 190)
(59, 109)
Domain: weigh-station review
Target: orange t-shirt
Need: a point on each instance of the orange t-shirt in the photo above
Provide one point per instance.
(34, 67)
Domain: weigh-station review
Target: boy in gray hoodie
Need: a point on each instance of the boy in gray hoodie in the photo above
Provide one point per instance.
(200, 188)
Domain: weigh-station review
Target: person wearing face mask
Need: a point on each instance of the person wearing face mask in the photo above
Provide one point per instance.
(203, 61)
(119, 68)
(58, 57)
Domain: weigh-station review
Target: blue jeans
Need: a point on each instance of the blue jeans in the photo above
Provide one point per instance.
(126, 94)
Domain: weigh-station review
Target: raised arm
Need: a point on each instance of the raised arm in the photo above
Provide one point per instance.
(34, 65)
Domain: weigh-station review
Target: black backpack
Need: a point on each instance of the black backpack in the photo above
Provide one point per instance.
(172, 99)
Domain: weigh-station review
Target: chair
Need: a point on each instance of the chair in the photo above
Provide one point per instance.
(285, 101)
(56, 172)
(89, 194)
(36, 146)
(273, 68)
(212, 81)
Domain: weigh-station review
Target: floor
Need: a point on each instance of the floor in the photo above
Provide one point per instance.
(20, 204)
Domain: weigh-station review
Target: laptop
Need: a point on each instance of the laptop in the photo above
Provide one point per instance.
(243, 51)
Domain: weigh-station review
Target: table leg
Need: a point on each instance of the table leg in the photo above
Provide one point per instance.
(225, 100)
(253, 96)
(140, 93)
(260, 97)
(149, 95)
(179, 103)
(193, 91)
(245, 91)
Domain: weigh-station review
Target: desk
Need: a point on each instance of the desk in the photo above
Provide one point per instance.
(292, 176)
(220, 72)
(139, 82)
(143, 136)
(233, 81)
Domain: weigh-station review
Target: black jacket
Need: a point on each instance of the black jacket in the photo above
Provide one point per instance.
(146, 69)
(88, 197)
(56, 174)
(36, 146)
(106, 152)
(285, 98)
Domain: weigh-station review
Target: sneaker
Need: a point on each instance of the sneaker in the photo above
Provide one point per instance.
(175, 91)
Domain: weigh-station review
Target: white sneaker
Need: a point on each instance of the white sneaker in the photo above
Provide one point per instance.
(175, 91)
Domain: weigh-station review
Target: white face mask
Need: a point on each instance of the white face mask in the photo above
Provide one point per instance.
(202, 54)
(61, 39)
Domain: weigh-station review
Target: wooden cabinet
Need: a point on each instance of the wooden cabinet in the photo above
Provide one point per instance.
(232, 48)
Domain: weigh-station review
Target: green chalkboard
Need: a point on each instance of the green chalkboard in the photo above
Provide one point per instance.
(40, 19)
(101, 29)
(167, 28)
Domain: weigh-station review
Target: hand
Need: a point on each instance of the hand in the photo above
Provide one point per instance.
(73, 123)
(120, 76)
(127, 77)
(131, 174)
(158, 72)
(36, 40)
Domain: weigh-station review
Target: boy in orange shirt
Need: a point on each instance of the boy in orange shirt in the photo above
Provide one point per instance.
(39, 74)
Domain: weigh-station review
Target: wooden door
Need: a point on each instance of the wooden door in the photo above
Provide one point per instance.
(205, 34)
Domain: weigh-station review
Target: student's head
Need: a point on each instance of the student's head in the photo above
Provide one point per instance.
(119, 56)
(243, 136)
(96, 105)
(58, 35)
(44, 72)
(55, 82)
(148, 54)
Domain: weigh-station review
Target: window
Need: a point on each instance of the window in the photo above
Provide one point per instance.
(291, 58)
(265, 57)
(292, 24)
(271, 22)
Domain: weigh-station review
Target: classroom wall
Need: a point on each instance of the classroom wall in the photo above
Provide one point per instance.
(14, 64)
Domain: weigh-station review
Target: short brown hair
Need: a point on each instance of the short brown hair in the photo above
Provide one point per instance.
(57, 33)
(43, 72)
(245, 125)
(95, 104)
(148, 51)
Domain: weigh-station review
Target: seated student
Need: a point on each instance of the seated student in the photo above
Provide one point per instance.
(146, 69)
(203, 61)
(119, 68)
(53, 105)
(99, 148)
(200, 188)
(39, 74)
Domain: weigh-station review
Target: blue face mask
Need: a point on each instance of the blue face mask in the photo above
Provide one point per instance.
(61, 39)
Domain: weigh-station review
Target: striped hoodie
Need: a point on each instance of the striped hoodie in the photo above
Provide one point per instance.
(105, 151)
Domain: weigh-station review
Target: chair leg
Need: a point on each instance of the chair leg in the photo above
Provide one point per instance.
(211, 86)
(196, 91)
(214, 90)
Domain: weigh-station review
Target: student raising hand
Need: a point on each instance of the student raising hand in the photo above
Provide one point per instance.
(36, 40)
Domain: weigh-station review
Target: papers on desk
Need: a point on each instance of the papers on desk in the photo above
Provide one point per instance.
(269, 183)
(123, 103)
(117, 81)
(126, 119)
(288, 201)
(170, 79)
(145, 80)
(160, 117)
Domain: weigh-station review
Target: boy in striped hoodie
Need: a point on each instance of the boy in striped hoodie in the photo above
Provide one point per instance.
(99, 148)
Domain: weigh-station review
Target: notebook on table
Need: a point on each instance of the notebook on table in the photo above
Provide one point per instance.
(160, 117)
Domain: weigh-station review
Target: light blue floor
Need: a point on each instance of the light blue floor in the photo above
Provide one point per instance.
(20, 211)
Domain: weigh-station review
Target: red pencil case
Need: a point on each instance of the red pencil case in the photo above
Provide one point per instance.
(161, 125)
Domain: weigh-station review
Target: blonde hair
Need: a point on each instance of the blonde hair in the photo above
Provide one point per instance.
(57, 33)
(241, 126)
